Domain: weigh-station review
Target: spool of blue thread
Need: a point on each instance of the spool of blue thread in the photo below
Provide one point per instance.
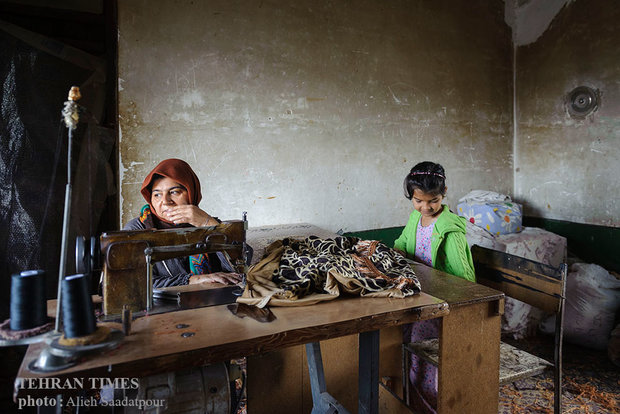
(77, 307)
(28, 304)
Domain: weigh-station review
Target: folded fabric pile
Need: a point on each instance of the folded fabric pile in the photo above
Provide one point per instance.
(303, 272)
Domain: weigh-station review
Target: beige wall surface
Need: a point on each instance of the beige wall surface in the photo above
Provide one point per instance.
(314, 111)
(568, 168)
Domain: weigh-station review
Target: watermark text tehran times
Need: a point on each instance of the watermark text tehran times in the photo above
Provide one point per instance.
(72, 400)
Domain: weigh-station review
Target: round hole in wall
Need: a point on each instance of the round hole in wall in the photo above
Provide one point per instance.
(582, 101)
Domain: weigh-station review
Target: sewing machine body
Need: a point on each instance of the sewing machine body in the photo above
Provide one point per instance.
(126, 255)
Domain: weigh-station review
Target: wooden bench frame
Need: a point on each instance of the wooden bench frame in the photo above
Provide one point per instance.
(531, 282)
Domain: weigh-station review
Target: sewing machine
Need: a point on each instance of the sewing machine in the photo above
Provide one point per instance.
(128, 255)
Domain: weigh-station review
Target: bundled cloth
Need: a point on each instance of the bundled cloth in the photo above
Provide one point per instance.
(303, 272)
(494, 212)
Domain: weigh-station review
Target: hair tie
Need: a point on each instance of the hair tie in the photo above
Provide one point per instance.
(427, 173)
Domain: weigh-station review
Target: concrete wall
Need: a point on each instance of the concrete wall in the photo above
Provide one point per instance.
(314, 111)
(567, 168)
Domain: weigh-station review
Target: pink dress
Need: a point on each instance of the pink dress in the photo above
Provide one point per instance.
(423, 375)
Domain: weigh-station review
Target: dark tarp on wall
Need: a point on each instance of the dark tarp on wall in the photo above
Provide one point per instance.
(36, 75)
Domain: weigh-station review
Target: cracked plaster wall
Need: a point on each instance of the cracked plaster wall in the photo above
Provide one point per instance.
(314, 111)
(567, 168)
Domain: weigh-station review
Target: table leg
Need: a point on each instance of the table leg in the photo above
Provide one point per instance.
(317, 376)
(368, 373)
(322, 401)
(468, 377)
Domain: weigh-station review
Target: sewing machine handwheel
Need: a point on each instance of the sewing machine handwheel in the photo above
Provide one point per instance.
(82, 255)
(95, 258)
(86, 254)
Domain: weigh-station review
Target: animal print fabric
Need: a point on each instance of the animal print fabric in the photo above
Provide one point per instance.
(360, 266)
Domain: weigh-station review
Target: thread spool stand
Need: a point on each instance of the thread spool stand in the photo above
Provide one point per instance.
(48, 362)
(61, 354)
(81, 336)
(24, 341)
(56, 356)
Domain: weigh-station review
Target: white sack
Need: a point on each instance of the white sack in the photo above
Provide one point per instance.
(592, 300)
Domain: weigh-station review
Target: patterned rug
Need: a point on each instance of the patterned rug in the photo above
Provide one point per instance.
(591, 382)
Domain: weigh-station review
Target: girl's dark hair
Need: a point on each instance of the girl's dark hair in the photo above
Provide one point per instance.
(426, 176)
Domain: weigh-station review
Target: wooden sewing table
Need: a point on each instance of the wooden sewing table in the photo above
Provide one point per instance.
(468, 372)
(350, 328)
(157, 345)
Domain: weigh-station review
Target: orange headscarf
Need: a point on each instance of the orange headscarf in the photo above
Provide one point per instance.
(179, 171)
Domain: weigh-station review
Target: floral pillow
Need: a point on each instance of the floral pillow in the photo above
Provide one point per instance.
(496, 218)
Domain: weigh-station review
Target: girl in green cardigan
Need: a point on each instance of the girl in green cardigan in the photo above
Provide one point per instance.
(436, 237)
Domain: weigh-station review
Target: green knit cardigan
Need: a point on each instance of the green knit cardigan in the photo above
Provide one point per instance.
(449, 248)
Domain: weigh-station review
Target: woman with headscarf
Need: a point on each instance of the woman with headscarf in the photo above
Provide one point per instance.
(172, 191)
